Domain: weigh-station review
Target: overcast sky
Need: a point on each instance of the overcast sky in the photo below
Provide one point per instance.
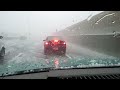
(37, 22)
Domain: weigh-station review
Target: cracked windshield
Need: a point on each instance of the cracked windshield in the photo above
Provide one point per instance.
(32, 40)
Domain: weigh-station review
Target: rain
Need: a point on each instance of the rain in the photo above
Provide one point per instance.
(89, 38)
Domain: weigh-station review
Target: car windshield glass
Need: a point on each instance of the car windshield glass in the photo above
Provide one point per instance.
(87, 39)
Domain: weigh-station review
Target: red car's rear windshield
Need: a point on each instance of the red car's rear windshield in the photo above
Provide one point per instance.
(54, 37)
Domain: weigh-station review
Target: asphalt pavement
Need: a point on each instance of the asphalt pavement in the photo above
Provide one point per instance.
(25, 53)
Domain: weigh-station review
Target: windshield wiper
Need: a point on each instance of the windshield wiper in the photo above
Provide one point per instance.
(27, 71)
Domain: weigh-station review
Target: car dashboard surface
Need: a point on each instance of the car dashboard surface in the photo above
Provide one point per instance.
(85, 73)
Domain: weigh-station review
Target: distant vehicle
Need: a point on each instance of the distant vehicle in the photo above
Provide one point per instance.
(54, 44)
(2, 47)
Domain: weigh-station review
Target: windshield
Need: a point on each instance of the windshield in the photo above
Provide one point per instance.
(91, 39)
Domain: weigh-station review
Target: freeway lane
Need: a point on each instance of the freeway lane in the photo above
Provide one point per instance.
(35, 49)
(28, 54)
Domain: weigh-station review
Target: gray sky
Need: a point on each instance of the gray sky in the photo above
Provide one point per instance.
(37, 22)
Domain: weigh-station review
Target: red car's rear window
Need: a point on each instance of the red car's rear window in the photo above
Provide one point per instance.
(54, 38)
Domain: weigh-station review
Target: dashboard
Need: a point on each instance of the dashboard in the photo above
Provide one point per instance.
(85, 73)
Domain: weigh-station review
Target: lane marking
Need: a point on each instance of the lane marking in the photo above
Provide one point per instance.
(20, 54)
(17, 56)
(68, 56)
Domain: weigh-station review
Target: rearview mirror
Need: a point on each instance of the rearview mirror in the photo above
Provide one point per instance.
(1, 37)
(44, 40)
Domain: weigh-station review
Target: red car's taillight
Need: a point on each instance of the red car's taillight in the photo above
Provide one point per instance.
(46, 43)
(64, 43)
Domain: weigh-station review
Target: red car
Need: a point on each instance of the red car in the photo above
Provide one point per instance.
(54, 44)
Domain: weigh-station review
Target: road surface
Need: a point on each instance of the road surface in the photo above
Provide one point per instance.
(27, 54)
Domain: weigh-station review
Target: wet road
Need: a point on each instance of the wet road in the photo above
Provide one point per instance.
(33, 50)
(25, 53)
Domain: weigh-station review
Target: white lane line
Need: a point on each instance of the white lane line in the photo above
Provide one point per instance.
(16, 57)
(68, 56)
(20, 54)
